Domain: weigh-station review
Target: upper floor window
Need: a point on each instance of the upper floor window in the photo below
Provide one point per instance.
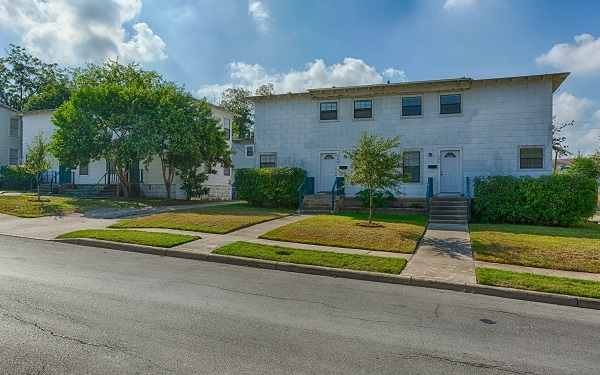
(226, 172)
(249, 151)
(450, 104)
(268, 160)
(227, 127)
(411, 106)
(328, 111)
(363, 108)
(411, 165)
(14, 127)
(14, 157)
(531, 158)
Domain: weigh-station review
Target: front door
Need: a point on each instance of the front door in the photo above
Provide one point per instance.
(327, 171)
(450, 172)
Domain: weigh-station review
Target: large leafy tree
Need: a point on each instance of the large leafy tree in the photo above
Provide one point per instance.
(24, 76)
(186, 137)
(235, 99)
(106, 117)
(558, 146)
(38, 160)
(375, 165)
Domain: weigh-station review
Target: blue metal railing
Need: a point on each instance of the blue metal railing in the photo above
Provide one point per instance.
(468, 196)
(429, 192)
(307, 187)
(337, 189)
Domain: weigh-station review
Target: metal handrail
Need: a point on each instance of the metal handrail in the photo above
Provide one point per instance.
(468, 196)
(429, 192)
(300, 193)
(103, 177)
(337, 185)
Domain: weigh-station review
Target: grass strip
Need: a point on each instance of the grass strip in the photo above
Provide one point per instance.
(132, 236)
(397, 233)
(27, 206)
(215, 219)
(314, 257)
(540, 283)
(571, 249)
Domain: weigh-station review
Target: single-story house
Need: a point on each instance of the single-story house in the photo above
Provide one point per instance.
(11, 139)
(451, 129)
(150, 180)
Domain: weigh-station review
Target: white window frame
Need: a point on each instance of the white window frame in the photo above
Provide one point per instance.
(337, 111)
(402, 106)
(420, 152)
(354, 118)
(246, 147)
(87, 170)
(227, 127)
(260, 163)
(462, 104)
(521, 168)
(14, 120)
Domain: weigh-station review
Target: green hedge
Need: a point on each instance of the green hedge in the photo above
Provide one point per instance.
(276, 187)
(14, 177)
(553, 200)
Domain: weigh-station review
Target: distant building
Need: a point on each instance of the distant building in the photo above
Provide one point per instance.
(11, 139)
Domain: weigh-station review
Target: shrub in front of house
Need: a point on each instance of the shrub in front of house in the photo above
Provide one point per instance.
(274, 187)
(14, 177)
(553, 200)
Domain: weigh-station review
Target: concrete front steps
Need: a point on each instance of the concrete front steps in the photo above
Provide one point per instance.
(448, 210)
(316, 204)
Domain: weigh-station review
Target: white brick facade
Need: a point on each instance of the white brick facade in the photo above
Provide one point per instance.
(498, 118)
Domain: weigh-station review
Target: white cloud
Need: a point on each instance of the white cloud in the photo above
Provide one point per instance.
(454, 4)
(583, 57)
(77, 31)
(583, 136)
(260, 15)
(351, 72)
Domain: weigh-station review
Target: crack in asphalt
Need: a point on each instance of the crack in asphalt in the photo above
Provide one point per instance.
(468, 363)
(70, 318)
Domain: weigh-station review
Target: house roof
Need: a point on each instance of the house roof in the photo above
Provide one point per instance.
(10, 109)
(454, 84)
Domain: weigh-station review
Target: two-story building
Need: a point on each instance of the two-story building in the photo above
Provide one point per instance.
(11, 139)
(450, 129)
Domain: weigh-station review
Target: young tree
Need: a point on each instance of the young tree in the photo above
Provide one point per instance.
(107, 117)
(557, 142)
(38, 159)
(585, 166)
(186, 137)
(236, 100)
(375, 165)
(23, 76)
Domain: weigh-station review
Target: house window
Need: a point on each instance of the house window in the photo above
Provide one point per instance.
(328, 111)
(450, 104)
(412, 165)
(363, 109)
(227, 128)
(249, 151)
(14, 127)
(411, 106)
(84, 169)
(267, 160)
(14, 157)
(226, 172)
(531, 158)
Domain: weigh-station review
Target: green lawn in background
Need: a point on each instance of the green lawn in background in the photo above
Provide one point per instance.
(315, 258)
(572, 249)
(398, 233)
(215, 219)
(540, 283)
(132, 236)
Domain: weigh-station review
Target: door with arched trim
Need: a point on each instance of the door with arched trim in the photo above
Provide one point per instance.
(327, 171)
(450, 171)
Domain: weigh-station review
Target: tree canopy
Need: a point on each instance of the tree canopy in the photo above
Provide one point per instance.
(23, 77)
(235, 99)
(375, 165)
(585, 166)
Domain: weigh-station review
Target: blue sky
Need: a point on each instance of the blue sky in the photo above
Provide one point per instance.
(209, 45)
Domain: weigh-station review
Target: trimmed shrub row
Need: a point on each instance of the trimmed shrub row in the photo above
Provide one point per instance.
(14, 177)
(274, 187)
(550, 200)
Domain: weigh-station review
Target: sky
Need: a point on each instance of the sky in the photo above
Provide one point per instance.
(210, 45)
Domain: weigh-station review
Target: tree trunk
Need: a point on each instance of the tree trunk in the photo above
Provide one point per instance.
(168, 172)
(371, 194)
(555, 160)
(37, 181)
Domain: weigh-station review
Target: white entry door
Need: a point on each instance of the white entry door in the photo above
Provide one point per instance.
(450, 172)
(327, 171)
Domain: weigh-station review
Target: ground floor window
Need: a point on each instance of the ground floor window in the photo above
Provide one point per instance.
(226, 172)
(84, 170)
(412, 165)
(268, 160)
(14, 157)
(531, 158)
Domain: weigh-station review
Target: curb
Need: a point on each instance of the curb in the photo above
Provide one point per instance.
(520, 294)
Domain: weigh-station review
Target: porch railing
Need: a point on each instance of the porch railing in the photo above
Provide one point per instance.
(468, 196)
(337, 189)
(429, 192)
(307, 187)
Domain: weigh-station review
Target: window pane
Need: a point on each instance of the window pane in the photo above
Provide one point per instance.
(14, 157)
(450, 104)
(83, 170)
(363, 109)
(14, 127)
(531, 158)
(412, 165)
(249, 151)
(267, 161)
(411, 106)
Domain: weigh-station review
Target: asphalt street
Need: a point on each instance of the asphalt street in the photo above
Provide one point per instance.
(67, 309)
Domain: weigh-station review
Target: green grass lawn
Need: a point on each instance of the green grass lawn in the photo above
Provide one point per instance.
(398, 233)
(216, 219)
(315, 258)
(26, 205)
(572, 249)
(540, 283)
(132, 236)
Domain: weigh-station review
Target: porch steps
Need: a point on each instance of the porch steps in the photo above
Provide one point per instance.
(108, 191)
(82, 191)
(44, 188)
(448, 210)
(316, 204)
